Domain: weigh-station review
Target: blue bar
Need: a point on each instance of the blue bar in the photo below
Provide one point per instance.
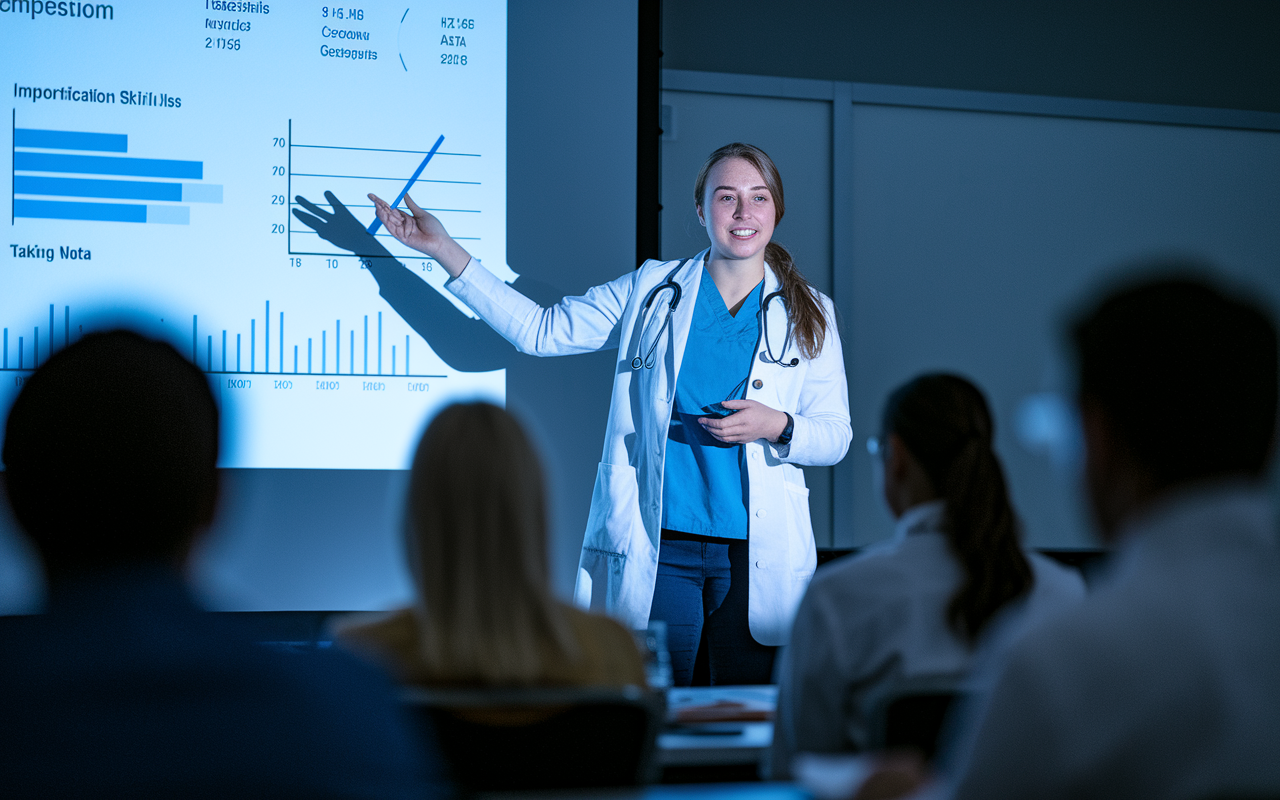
(109, 165)
(101, 212)
(88, 187)
(71, 140)
(169, 215)
(201, 193)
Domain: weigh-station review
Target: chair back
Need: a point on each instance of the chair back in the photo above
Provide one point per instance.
(912, 715)
(542, 737)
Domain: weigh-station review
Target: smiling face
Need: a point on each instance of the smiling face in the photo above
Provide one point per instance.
(737, 209)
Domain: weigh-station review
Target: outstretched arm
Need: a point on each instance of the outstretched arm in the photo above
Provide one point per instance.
(573, 325)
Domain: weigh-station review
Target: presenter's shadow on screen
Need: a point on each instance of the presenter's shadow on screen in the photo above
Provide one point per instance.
(465, 344)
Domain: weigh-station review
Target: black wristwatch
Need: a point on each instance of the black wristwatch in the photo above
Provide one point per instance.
(784, 438)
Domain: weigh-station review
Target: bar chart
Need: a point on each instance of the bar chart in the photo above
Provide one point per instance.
(44, 162)
(366, 354)
(240, 350)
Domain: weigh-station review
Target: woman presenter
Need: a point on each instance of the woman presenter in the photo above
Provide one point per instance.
(729, 377)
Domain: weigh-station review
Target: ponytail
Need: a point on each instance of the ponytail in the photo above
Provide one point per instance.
(808, 318)
(804, 309)
(944, 422)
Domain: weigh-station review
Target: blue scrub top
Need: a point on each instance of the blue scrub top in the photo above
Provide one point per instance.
(704, 489)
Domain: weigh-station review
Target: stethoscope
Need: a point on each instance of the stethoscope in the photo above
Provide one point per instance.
(764, 324)
(650, 354)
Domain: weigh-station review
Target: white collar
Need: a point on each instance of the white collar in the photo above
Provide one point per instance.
(923, 518)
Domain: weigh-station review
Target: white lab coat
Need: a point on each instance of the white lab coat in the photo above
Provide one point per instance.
(619, 562)
(875, 624)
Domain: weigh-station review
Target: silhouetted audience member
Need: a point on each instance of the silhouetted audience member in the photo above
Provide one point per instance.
(1165, 682)
(123, 686)
(476, 539)
(912, 611)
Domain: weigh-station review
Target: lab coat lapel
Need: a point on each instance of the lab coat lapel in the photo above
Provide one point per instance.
(776, 318)
(651, 394)
(690, 280)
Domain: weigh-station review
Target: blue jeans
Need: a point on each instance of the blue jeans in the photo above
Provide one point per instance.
(702, 587)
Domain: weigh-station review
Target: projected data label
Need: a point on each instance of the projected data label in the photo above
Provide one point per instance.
(159, 184)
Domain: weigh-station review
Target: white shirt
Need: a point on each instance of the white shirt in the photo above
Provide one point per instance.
(873, 622)
(1164, 683)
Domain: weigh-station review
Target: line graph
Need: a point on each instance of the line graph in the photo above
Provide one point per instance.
(446, 181)
(377, 223)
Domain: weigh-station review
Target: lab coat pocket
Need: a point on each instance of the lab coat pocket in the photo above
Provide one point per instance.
(614, 530)
(801, 549)
(614, 521)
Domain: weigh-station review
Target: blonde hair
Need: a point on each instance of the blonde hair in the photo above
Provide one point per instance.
(808, 320)
(476, 537)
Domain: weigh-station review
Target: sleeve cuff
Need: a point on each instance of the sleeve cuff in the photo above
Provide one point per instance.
(463, 277)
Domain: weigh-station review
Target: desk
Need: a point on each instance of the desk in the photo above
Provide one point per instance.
(709, 744)
(722, 791)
